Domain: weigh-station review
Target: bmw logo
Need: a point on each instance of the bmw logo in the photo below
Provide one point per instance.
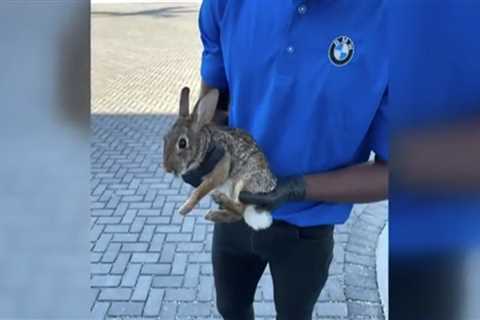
(341, 51)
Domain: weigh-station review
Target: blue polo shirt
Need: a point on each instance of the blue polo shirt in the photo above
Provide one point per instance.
(434, 80)
(308, 80)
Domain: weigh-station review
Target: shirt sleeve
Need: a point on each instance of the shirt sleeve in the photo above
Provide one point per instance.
(378, 133)
(212, 64)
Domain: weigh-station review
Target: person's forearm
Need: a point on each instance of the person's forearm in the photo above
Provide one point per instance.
(439, 158)
(362, 183)
(221, 114)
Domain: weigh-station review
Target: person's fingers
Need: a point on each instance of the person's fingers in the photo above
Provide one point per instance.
(263, 208)
(258, 199)
(246, 197)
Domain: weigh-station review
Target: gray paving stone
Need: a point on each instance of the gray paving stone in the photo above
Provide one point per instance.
(205, 290)
(142, 288)
(111, 253)
(334, 290)
(140, 205)
(168, 252)
(179, 294)
(151, 194)
(179, 263)
(134, 247)
(99, 189)
(190, 247)
(194, 309)
(200, 257)
(102, 243)
(328, 309)
(120, 263)
(148, 212)
(154, 302)
(206, 269)
(108, 220)
(156, 269)
(115, 294)
(192, 276)
(126, 309)
(199, 233)
(95, 232)
(125, 192)
(156, 245)
(147, 234)
(360, 281)
(100, 268)
(188, 224)
(132, 198)
(100, 310)
(101, 212)
(114, 203)
(125, 237)
(264, 309)
(365, 309)
(158, 220)
(167, 281)
(168, 207)
(355, 258)
(168, 311)
(130, 277)
(120, 207)
(129, 216)
(95, 256)
(137, 224)
(168, 229)
(105, 281)
(145, 257)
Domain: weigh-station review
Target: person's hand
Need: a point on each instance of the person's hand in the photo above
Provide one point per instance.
(214, 154)
(288, 189)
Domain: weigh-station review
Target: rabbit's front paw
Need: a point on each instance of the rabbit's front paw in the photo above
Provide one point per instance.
(185, 208)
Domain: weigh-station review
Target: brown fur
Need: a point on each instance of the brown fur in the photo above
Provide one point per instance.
(244, 166)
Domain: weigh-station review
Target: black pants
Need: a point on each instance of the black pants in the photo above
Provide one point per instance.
(425, 287)
(299, 259)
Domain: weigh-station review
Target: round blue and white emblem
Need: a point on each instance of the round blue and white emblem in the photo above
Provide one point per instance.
(341, 51)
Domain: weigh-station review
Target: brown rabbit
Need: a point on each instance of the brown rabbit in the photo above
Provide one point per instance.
(243, 167)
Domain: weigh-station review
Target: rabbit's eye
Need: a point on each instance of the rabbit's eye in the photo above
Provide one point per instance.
(182, 143)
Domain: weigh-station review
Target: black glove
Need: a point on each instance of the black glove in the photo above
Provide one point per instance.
(214, 154)
(288, 189)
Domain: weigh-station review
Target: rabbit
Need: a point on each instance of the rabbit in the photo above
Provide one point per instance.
(243, 167)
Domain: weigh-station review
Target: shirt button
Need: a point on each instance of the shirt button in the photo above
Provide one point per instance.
(290, 49)
(302, 9)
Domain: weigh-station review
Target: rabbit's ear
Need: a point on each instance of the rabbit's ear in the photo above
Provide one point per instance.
(184, 102)
(205, 109)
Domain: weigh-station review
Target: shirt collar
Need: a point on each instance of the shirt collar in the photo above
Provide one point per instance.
(298, 2)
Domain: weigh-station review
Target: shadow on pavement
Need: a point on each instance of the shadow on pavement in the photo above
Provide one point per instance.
(167, 12)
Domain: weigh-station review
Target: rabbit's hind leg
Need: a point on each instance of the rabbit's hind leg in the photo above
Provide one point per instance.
(222, 216)
(227, 203)
(230, 202)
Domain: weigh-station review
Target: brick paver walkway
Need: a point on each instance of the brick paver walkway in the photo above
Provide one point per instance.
(148, 261)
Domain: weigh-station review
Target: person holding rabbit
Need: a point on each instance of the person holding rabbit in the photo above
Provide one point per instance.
(307, 79)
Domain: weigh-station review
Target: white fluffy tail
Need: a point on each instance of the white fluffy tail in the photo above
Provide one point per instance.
(257, 219)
